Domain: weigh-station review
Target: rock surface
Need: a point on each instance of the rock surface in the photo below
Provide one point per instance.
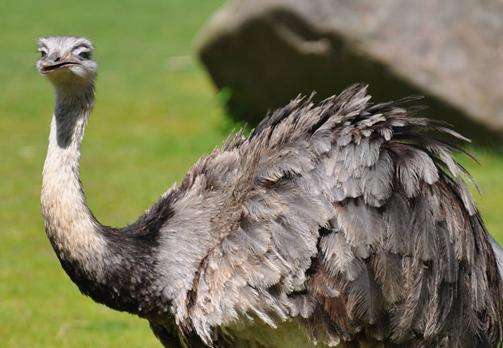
(267, 52)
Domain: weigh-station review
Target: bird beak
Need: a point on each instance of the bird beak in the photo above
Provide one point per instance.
(53, 63)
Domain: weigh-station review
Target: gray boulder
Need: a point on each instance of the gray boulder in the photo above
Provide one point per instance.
(267, 52)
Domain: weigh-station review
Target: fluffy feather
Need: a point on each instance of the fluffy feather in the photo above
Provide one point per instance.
(397, 223)
(347, 217)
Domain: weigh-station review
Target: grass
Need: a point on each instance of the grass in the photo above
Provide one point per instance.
(156, 114)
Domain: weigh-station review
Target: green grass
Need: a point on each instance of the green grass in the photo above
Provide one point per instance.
(155, 116)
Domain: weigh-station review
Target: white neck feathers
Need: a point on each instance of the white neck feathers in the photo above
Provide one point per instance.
(70, 225)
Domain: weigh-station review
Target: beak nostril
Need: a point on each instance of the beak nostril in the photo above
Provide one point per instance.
(57, 59)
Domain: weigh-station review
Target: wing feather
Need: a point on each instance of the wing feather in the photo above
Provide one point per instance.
(351, 215)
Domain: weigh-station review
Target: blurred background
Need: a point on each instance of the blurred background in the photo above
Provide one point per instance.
(176, 76)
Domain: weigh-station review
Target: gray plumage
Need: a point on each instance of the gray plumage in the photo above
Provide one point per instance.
(343, 221)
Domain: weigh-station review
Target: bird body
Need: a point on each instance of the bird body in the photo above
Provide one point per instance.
(338, 222)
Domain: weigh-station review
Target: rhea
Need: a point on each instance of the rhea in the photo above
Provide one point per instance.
(340, 222)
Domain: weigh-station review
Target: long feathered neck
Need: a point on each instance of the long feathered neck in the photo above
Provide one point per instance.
(70, 225)
(113, 266)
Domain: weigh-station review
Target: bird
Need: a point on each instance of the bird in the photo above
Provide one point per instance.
(343, 222)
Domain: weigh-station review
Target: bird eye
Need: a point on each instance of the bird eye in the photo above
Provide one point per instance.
(85, 55)
(43, 53)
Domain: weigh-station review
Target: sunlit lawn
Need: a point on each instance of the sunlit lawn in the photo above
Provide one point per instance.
(156, 114)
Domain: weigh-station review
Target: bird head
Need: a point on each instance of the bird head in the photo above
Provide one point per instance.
(67, 60)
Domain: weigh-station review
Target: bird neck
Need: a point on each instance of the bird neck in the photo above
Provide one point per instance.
(70, 225)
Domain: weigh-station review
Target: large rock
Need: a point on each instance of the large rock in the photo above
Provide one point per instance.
(267, 52)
